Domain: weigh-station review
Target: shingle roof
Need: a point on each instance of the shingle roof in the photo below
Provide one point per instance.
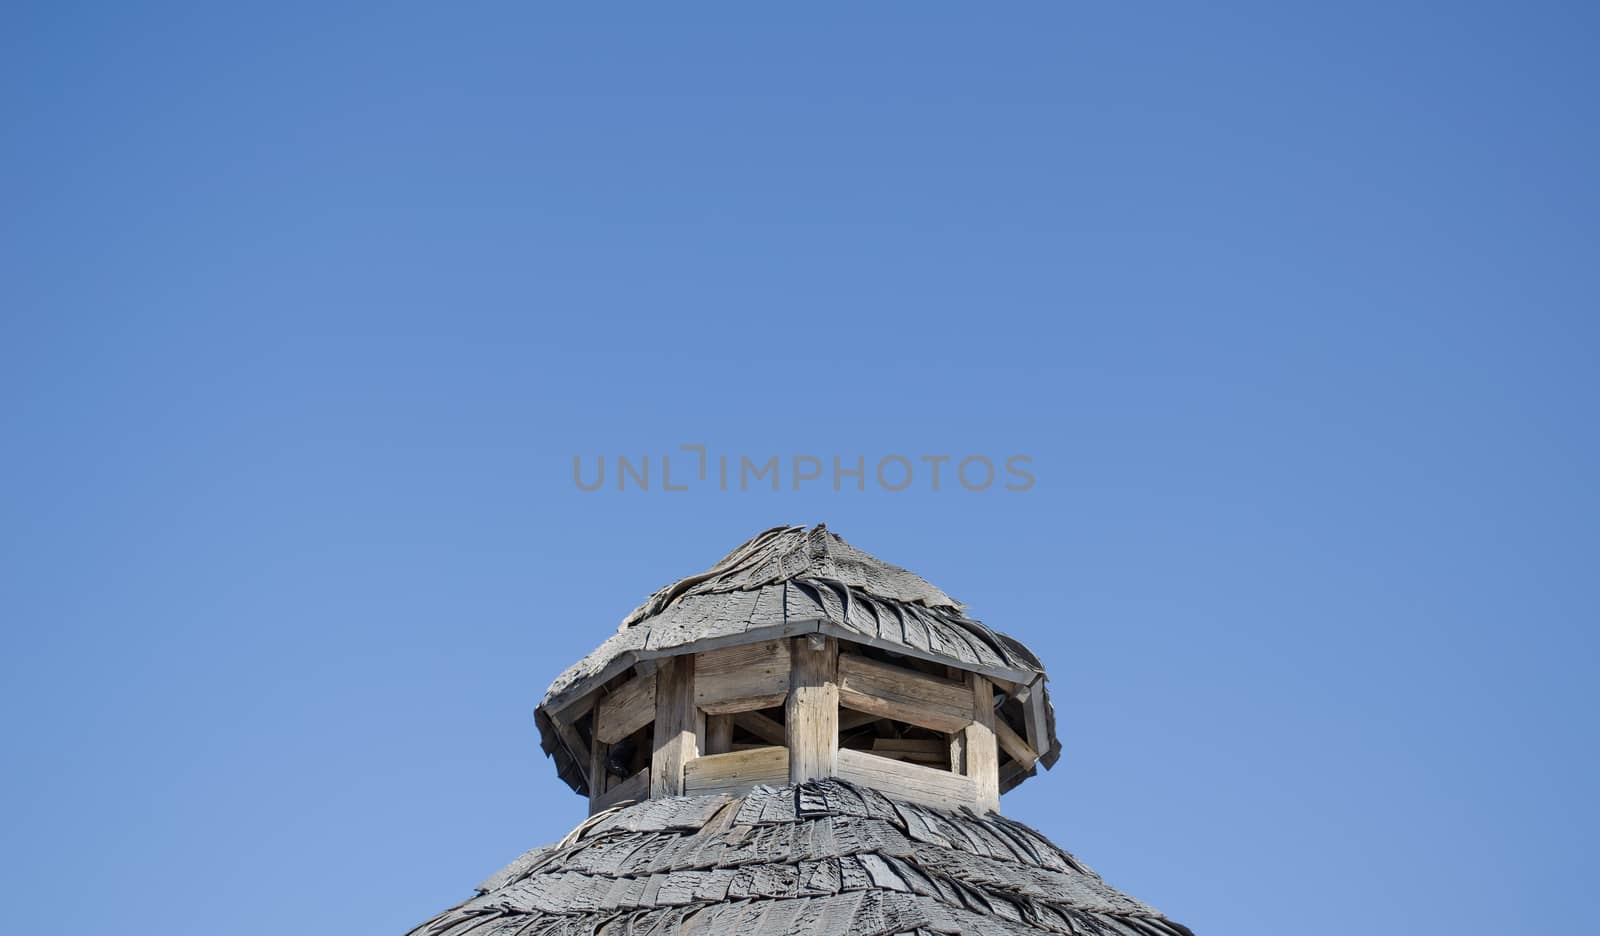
(826, 858)
(787, 581)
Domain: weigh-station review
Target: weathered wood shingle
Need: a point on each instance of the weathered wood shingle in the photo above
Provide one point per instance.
(823, 858)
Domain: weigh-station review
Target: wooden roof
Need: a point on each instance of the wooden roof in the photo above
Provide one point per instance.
(824, 858)
(788, 581)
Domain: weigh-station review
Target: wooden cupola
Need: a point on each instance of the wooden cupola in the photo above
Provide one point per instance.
(796, 658)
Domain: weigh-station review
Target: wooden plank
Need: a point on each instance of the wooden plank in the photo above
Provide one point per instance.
(599, 778)
(1012, 744)
(719, 733)
(742, 679)
(906, 781)
(631, 790)
(574, 744)
(957, 739)
(737, 772)
(745, 703)
(983, 758)
(679, 726)
(811, 713)
(626, 710)
(575, 708)
(761, 726)
(903, 695)
(1036, 724)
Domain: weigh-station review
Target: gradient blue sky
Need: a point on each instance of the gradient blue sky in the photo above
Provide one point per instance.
(305, 310)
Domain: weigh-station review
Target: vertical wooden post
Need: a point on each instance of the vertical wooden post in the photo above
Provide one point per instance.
(982, 756)
(679, 726)
(958, 739)
(811, 713)
(598, 776)
(719, 734)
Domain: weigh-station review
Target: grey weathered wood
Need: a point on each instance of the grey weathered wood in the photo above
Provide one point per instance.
(631, 790)
(1035, 722)
(832, 629)
(982, 756)
(823, 858)
(599, 778)
(737, 772)
(907, 781)
(1013, 744)
(762, 727)
(957, 739)
(719, 734)
(679, 726)
(627, 709)
(811, 713)
(742, 679)
(903, 695)
(576, 747)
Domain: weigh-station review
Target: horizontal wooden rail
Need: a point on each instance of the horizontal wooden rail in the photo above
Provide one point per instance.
(627, 709)
(631, 790)
(907, 781)
(903, 695)
(742, 679)
(736, 772)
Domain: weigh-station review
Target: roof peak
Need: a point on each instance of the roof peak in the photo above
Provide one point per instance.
(789, 553)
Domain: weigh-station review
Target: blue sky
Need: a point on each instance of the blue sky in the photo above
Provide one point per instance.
(305, 312)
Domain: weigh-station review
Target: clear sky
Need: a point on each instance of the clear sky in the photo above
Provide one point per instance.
(305, 311)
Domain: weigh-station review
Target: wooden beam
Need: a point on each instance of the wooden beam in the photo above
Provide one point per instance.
(719, 733)
(903, 695)
(1035, 722)
(1012, 744)
(811, 714)
(571, 740)
(631, 790)
(742, 679)
(906, 781)
(679, 726)
(983, 759)
(599, 777)
(745, 703)
(626, 710)
(736, 772)
(761, 726)
(957, 739)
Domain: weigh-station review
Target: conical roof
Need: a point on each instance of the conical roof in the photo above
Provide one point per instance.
(789, 581)
(824, 857)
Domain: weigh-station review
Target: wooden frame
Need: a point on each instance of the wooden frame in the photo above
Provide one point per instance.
(696, 701)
